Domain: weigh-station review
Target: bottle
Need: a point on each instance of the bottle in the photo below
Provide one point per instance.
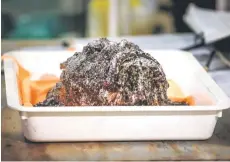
(97, 21)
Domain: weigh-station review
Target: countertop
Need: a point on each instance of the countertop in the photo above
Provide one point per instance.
(15, 147)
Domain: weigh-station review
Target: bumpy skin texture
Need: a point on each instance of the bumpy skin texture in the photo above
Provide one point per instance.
(110, 73)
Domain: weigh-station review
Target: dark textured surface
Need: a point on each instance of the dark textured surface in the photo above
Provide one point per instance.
(49, 102)
(119, 69)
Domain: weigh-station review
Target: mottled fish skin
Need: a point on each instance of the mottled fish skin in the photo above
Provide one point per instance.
(118, 69)
(49, 102)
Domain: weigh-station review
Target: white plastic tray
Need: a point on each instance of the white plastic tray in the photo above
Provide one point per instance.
(106, 123)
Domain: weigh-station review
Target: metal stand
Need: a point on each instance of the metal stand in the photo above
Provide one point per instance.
(213, 52)
(199, 41)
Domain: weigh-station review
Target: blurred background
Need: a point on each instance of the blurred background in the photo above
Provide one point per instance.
(51, 19)
(54, 24)
(151, 24)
